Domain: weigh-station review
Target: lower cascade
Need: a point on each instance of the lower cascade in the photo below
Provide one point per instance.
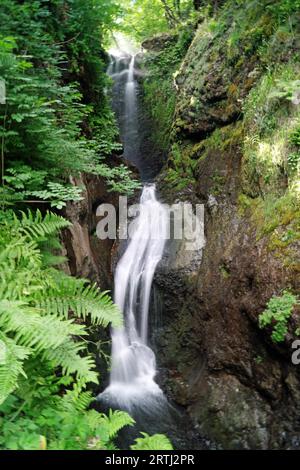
(133, 362)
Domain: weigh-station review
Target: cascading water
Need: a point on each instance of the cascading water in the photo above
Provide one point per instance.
(134, 125)
(131, 137)
(132, 384)
(133, 362)
(122, 71)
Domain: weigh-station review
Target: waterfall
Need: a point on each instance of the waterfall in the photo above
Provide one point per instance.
(133, 362)
(122, 71)
(133, 366)
(131, 135)
(127, 103)
(132, 386)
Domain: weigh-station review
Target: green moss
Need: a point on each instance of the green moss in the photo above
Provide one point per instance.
(224, 271)
(277, 220)
(218, 182)
(159, 89)
(244, 204)
(180, 173)
(224, 138)
(274, 212)
(160, 102)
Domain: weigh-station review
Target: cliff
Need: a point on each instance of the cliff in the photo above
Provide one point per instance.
(229, 126)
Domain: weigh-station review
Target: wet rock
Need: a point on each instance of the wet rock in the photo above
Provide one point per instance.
(233, 413)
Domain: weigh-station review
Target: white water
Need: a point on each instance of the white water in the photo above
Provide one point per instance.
(133, 367)
(122, 71)
(131, 137)
(133, 362)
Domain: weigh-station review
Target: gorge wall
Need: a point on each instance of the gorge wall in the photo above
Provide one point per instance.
(228, 119)
(89, 256)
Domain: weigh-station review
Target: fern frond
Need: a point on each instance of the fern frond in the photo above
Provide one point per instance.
(155, 442)
(8, 197)
(67, 356)
(51, 243)
(23, 250)
(36, 226)
(73, 400)
(33, 330)
(114, 422)
(18, 284)
(82, 299)
(11, 365)
(49, 259)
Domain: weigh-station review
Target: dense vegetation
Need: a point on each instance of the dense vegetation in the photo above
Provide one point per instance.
(55, 123)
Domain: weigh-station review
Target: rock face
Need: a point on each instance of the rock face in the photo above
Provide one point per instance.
(241, 389)
(213, 100)
(219, 364)
(89, 256)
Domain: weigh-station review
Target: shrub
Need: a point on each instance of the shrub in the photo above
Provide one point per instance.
(277, 314)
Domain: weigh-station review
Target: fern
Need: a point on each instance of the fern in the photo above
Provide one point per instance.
(277, 314)
(8, 197)
(37, 301)
(155, 442)
(36, 226)
(58, 194)
(33, 330)
(11, 365)
(114, 422)
(76, 400)
(20, 251)
(67, 355)
(82, 298)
